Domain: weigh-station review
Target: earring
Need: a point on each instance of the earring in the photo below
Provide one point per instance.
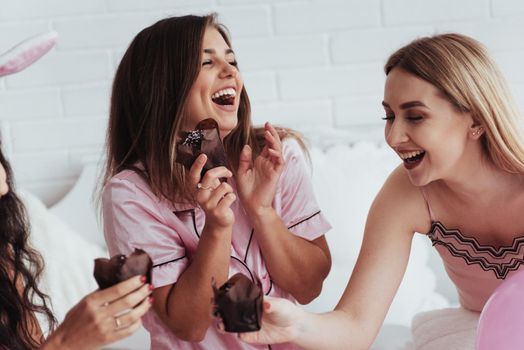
(477, 132)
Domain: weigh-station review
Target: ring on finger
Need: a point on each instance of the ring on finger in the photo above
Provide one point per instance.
(118, 323)
(202, 187)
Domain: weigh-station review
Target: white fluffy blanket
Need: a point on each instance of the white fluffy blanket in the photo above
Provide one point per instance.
(450, 329)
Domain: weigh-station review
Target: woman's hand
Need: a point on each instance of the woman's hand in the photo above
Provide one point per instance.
(258, 180)
(213, 196)
(280, 323)
(103, 316)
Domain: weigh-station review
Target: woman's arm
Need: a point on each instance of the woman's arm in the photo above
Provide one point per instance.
(397, 212)
(185, 307)
(295, 264)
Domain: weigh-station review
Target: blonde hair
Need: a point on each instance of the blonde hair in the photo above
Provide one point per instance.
(461, 68)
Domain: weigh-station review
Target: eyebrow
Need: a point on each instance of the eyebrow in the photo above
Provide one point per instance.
(407, 105)
(213, 51)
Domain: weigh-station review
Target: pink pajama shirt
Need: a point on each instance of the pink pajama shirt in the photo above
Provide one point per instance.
(135, 218)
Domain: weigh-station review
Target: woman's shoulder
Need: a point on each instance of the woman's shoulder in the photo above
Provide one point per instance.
(399, 179)
(403, 200)
(126, 178)
(294, 147)
(128, 183)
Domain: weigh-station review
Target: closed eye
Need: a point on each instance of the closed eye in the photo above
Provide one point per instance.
(208, 62)
(415, 118)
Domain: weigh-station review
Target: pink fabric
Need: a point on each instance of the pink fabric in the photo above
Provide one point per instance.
(25, 53)
(475, 269)
(135, 218)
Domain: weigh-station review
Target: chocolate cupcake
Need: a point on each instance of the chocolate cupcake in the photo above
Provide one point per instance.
(204, 139)
(109, 272)
(238, 302)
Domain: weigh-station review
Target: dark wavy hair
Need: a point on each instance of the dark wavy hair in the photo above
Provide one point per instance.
(20, 270)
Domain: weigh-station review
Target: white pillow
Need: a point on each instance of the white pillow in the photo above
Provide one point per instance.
(346, 180)
(68, 274)
(76, 208)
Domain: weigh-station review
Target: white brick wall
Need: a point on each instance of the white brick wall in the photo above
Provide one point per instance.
(30, 104)
(325, 16)
(48, 9)
(307, 64)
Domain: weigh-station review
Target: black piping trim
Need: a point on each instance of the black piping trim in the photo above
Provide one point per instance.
(301, 221)
(248, 244)
(253, 277)
(243, 263)
(270, 286)
(193, 216)
(170, 261)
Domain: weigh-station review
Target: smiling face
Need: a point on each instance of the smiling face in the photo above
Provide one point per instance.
(216, 91)
(428, 133)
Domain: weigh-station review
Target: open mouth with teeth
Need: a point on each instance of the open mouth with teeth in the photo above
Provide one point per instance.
(224, 97)
(412, 159)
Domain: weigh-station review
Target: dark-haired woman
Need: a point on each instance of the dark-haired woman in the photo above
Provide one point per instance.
(96, 320)
(174, 74)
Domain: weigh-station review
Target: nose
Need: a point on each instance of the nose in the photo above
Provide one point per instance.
(227, 70)
(395, 133)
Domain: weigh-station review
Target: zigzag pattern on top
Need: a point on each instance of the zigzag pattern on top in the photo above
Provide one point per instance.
(500, 260)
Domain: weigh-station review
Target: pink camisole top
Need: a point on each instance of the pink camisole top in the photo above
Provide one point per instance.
(475, 269)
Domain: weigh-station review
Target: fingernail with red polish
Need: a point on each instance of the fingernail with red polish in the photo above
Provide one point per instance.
(150, 299)
(143, 279)
(151, 287)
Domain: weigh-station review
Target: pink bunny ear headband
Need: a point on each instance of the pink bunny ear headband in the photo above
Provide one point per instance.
(25, 53)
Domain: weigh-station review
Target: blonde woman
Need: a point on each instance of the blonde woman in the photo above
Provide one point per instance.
(451, 120)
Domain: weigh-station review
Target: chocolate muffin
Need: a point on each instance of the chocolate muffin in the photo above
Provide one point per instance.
(109, 272)
(204, 139)
(239, 303)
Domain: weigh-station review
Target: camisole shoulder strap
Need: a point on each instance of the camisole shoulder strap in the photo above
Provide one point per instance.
(426, 199)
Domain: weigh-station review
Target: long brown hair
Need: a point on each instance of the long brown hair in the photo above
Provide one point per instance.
(20, 271)
(148, 104)
(461, 68)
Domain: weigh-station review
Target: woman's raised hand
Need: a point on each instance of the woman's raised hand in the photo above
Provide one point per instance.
(213, 196)
(103, 316)
(258, 180)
